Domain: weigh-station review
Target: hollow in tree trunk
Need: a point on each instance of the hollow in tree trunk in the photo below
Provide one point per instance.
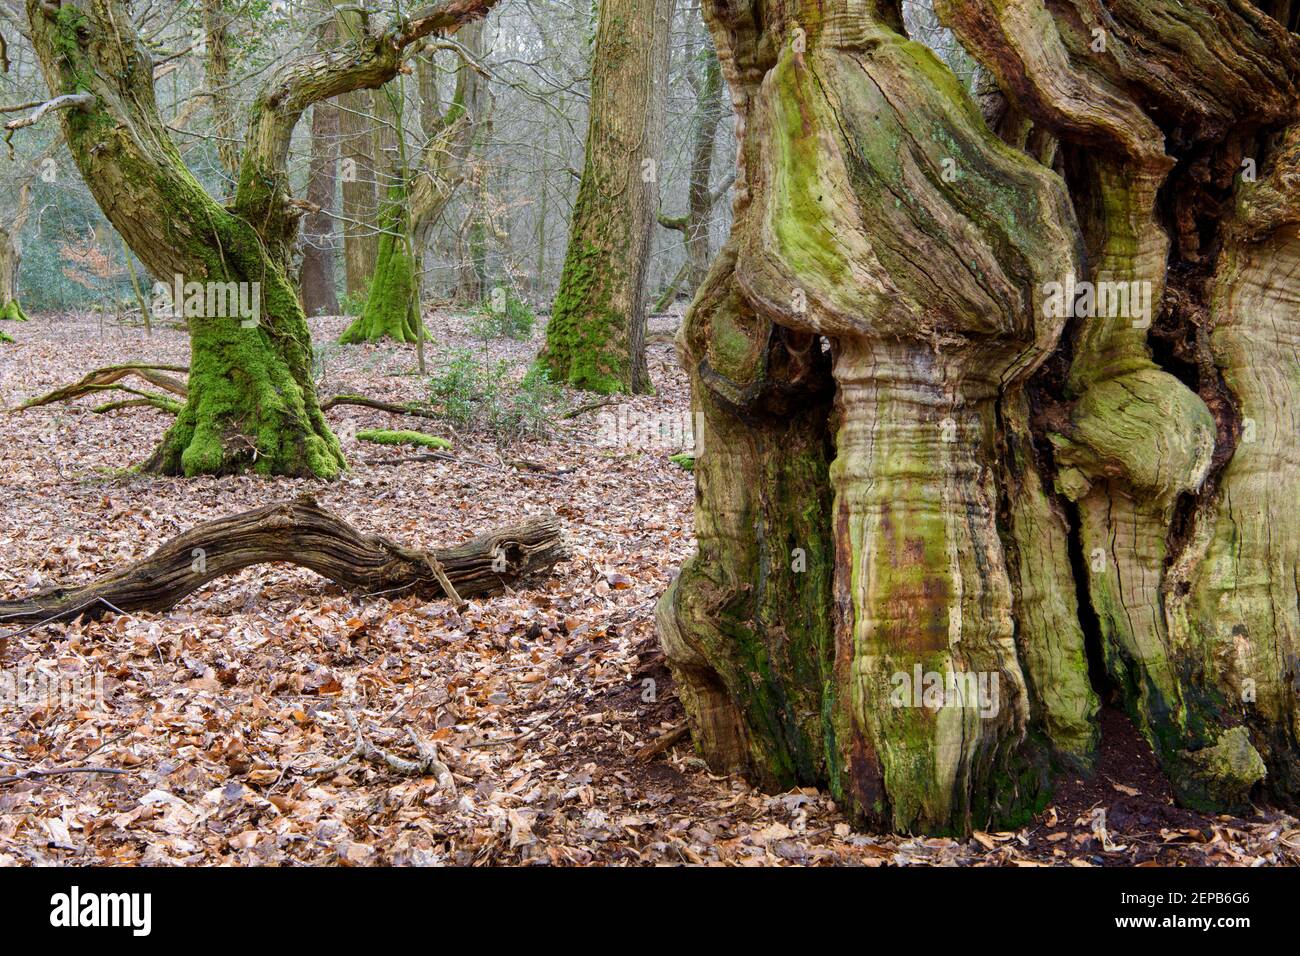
(919, 448)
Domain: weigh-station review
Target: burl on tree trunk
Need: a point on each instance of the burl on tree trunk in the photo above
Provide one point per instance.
(920, 452)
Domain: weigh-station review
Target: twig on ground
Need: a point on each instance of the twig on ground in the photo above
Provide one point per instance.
(663, 742)
(58, 772)
(427, 765)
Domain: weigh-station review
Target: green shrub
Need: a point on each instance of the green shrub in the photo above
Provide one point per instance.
(504, 315)
(321, 355)
(476, 395)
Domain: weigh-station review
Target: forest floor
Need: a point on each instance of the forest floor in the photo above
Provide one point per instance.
(220, 715)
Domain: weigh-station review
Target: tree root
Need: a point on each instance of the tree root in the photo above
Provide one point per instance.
(301, 532)
(109, 378)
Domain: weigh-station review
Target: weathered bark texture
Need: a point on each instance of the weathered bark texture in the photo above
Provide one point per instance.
(596, 335)
(300, 532)
(986, 449)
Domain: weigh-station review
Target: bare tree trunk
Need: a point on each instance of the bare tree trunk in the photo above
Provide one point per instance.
(319, 295)
(596, 335)
(701, 200)
(218, 81)
(11, 256)
(360, 197)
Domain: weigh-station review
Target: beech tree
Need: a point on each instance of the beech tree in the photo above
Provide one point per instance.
(978, 406)
(417, 197)
(596, 335)
(251, 402)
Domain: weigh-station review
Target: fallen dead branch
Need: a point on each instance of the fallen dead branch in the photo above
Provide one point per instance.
(109, 378)
(663, 742)
(427, 765)
(590, 407)
(58, 772)
(301, 532)
(364, 402)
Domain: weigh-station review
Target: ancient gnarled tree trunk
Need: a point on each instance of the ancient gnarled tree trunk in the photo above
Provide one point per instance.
(922, 444)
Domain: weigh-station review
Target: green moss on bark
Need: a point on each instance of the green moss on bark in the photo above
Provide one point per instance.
(381, 436)
(586, 339)
(392, 304)
(12, 312)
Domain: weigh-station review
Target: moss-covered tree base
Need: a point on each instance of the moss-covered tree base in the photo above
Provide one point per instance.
(246, 410)
(12, 312)
(392, 305)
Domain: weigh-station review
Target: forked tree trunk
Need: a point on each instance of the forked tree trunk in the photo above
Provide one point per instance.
(884, 596)
(595, 339)
(251, 403)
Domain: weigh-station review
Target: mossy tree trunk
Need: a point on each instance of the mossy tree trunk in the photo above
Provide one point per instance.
(10, 258)
(11, 254)
(251, 402)
(987, 456)
(391, 309)
(595, 339)
(316, 280)
(414, 201)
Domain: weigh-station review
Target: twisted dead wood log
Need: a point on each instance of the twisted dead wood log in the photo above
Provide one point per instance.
(109, 378)
(301, 532)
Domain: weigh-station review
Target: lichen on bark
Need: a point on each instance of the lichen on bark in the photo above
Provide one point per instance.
(994, 460)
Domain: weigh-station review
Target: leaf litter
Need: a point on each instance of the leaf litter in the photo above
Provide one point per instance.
(227, 724)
